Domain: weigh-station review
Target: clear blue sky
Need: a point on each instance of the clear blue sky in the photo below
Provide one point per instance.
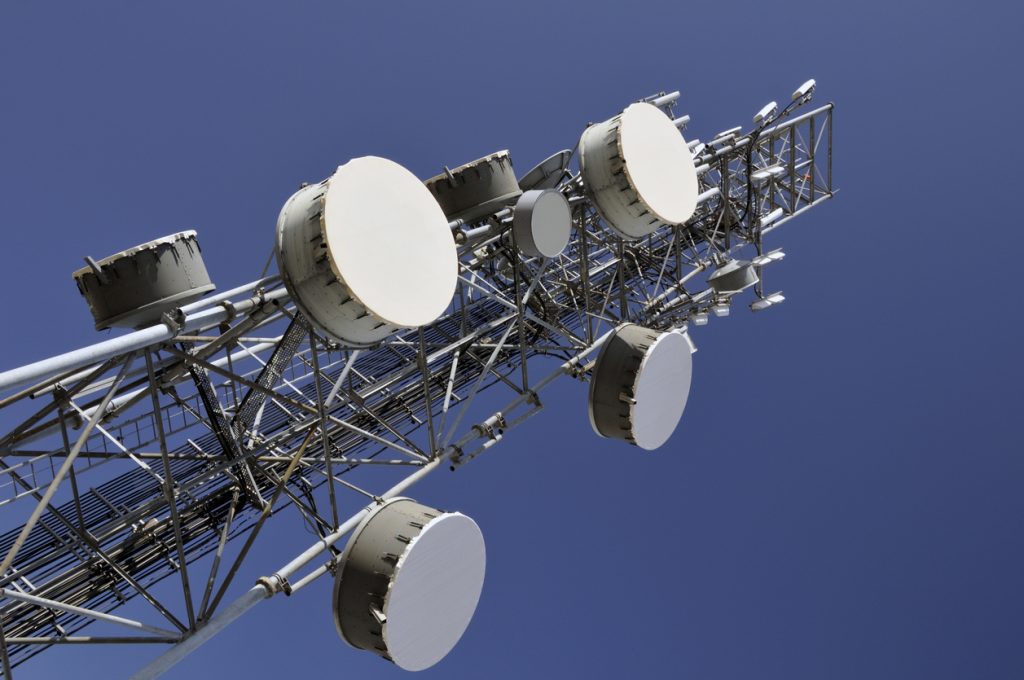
(844, 496)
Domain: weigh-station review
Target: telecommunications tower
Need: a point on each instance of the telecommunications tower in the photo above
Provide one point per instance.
(329, 387)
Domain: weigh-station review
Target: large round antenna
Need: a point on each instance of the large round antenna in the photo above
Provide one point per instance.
(366, 252)
(639, 171)
(135, 287)
(408, 583)
(542, 222)
(640, 385)
(477, 189)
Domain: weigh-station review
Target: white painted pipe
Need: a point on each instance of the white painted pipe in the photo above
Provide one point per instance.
(131, 342)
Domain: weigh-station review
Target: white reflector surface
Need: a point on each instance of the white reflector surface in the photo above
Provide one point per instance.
(389, 242)
(662, 388)
(434, 592)
(542, 222)
(658, 163)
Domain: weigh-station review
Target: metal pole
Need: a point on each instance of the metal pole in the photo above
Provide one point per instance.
(131, 342)
(68, 462)
(172, 502)
(168, 659)
(91, 613)
(228, 294)
(5, 660)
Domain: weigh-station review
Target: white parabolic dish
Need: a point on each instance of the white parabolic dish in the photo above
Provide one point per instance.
(389, 242)
(661, 390)
(434, 591)
(658, 163)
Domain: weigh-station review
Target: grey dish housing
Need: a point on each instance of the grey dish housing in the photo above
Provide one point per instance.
(542, 222)
(408, 582)
(313, 285)
(640, 385)
(365, 572)
(134, 288)
(477, 189)
(732, 277)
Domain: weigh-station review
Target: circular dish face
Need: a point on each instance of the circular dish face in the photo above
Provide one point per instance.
(658, 163)
(434, 591)
(552, 223)
(388, 241)
(661, 391)
(542, 222)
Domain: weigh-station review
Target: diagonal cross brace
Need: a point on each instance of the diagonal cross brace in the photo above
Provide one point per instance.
(222, 428)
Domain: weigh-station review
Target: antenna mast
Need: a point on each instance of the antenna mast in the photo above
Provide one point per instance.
(410, 326)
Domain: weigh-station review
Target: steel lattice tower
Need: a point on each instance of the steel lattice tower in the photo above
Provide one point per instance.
(136, 457)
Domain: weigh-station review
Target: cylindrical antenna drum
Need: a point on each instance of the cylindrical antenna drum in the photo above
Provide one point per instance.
(134, 288)
(542, 222)
(639, 172)
(477, 189)
(640, 385)
(408, 582)
(367, 252)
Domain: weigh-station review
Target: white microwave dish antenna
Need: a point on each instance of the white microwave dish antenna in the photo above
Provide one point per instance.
(367, 251)
(639, 171)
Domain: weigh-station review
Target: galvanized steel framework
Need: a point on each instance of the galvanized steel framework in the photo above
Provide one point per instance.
(143, 454)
